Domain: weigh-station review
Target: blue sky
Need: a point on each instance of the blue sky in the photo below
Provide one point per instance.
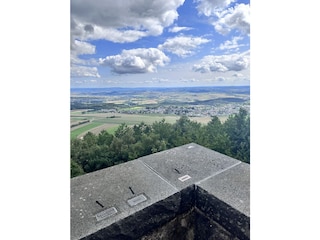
(35, 67)
(159, 43)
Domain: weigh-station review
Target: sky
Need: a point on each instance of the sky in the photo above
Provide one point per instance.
(159, 43)
(35, 68)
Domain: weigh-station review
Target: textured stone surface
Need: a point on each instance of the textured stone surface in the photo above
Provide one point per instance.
(205, 228)
(111, 188)
(140, 223)
(181, 227)
(192, 225)
(235, 222)
(189, 192)
(232, 187)
(189, 160)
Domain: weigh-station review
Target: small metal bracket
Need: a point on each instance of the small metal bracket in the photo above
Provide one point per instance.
(136, 200)
(106, 213)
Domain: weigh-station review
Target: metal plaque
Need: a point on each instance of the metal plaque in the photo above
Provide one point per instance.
(184, 178)
(106, 213)
(136, 200)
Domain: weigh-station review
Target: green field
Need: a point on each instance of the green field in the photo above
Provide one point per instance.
(85, 128)
(200, 103)
(105, 121)
(110, 122)
(112, 130)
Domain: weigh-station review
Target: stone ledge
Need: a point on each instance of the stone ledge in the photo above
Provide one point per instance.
(233, 221)
(137, 199)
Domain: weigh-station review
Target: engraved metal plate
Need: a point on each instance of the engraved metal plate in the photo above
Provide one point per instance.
(136, 200)
(184, 178)
(106, 213)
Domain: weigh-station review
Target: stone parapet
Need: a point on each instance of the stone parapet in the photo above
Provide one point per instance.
(188, 192)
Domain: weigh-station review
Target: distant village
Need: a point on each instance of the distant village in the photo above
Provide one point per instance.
(191, 102)
(190, 110)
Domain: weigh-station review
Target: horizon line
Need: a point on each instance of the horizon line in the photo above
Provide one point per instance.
(163, 87)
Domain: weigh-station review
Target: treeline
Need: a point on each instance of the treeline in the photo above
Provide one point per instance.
(95, 152)
(79, 123)
(95, 106)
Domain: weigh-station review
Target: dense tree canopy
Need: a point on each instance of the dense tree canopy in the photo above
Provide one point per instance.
(95, 152)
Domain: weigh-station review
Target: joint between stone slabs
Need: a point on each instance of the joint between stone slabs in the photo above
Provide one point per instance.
(219, 172)
(158, 174)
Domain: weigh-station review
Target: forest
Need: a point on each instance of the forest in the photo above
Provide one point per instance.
(94, 152)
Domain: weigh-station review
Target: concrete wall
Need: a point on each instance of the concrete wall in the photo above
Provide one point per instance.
(189, 192)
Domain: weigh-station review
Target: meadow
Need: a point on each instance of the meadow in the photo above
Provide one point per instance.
(110, 121)
(106, 109)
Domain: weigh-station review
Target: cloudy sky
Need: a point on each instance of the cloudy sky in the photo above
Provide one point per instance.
(159, 43)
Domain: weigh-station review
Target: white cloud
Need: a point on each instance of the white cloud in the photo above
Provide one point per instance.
(178, 29)
(140, 60)
(113, 34)
(182, 46)
(231, 44)
(223, 63)
(160, 80)
(191, 80)
(237, 75)
(212, 7)
(237, 17)
(121, 20)
(83, 71)
(234, 18)
(79, 67)
(220, 79)
(80, 47)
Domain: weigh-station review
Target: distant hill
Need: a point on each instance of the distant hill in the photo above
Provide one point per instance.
(130, 91)
(218, 100)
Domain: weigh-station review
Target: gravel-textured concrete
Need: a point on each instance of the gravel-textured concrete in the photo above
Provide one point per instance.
(188, 164)
(138, 198)
(113, 188)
